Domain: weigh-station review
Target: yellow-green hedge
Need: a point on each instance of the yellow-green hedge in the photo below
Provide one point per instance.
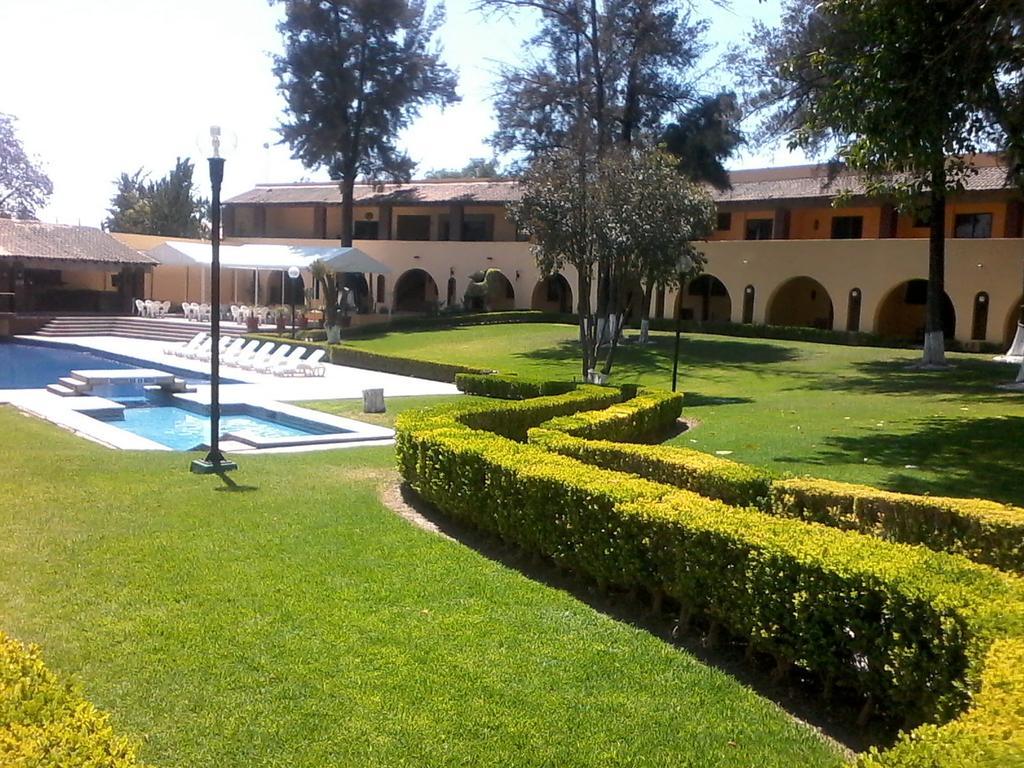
(711, 476)
(989, 735)
(47, 723)
(984, 531)
(905, 626)
(510, 386)
(647, 416)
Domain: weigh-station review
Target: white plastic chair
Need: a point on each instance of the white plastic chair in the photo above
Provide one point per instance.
(165, 308)
(279, 356)
(261, 358)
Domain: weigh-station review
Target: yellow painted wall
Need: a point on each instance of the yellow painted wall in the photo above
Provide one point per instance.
(738, 228)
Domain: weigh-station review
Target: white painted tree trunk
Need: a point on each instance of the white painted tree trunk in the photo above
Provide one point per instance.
(1020, 374)
(934, 349)
(1017, 347)
(333, 334)
(373, 401)
(645, 330)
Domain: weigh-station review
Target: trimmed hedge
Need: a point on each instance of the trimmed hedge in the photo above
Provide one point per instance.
(375, 361)
(510, 386)
(905, 626)
(989, 735)
(646, 417)
(984, 531)
(47, 723)
(702, 473)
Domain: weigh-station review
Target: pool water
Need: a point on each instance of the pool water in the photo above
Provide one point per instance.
(33, 366)
(183, 430)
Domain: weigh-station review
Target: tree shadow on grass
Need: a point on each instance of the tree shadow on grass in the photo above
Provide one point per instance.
(657, 356)
(963, 457)
(967, 378)
(798, 696)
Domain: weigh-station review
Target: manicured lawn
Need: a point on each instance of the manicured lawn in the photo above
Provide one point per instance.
(353, 409)
(848, 413)
(296, 622)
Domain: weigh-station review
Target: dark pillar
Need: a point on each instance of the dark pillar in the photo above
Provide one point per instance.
(888, 221)
(320, 222)
(456, 220)
(1014, 218)
(780, 225)
(261, 221)
(229, 221)
(385, 223)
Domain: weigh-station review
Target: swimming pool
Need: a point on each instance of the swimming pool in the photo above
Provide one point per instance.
(25, 365)
(183, 429)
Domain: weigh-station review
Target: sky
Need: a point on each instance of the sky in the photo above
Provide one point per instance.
(102, 87)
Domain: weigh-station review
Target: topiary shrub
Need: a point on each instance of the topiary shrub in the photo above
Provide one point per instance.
(510, 386)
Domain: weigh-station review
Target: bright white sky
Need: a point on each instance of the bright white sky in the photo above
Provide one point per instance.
(101, 87)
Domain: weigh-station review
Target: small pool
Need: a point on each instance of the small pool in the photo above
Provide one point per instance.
(186, 426)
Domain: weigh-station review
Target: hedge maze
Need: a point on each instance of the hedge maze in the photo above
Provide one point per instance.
(826, 577)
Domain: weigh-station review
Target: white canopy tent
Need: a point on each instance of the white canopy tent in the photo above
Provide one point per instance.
(256, 257)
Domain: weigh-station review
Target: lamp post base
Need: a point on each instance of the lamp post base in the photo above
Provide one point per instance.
(212, 466)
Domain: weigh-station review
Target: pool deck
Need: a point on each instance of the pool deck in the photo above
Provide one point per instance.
(259, 389)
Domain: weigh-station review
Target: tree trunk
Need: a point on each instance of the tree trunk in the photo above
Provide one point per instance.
(347, 203)
(645, 314)
(934, 341)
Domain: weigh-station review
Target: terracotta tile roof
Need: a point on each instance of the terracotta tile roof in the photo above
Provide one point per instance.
(785, 183)
(471, 191)
(25, 240)
(805, 182)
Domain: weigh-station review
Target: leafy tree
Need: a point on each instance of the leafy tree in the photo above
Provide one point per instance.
(476, 168)
(704, 137)
(633, 216)
(354, 73)
(24, 187)
(885, 86)
(170, 206)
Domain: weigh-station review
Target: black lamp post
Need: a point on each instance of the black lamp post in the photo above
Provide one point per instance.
(214, 463)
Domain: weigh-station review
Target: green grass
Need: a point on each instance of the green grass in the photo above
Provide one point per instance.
(846, 413)
(353, 409)
(297, 622)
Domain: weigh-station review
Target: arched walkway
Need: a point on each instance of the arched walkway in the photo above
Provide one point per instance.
(901, 315)
(415, 291)
(552, 294)
(495, 294)
(503, 296)
(359, 290)
(801, 301)
(705, 298)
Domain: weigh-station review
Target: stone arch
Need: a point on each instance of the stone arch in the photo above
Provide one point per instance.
(552, 294)
(705, 298)
(489, 291)
(359, 289)
(901, 314)
(382, 285)
(801, 301)
(415, 291)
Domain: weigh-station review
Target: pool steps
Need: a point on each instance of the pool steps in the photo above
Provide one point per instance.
(83, 382)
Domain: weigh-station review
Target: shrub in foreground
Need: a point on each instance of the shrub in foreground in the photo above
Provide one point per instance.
(510, 386)
(47, 723)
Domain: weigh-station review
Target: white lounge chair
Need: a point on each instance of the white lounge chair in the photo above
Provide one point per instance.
(261, 357)
(179, 350)
(274, 360)
(228, 347)
(206, 352)
(255, 353)
(195, 352)
(287, 366)
(312, 365)
(244, 351)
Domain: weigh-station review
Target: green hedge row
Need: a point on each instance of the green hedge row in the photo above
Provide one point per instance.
(510, 386)
(647, 416)
(456, 320)
(984, 531)
(47, 723)
(375, 361)
(711, 476)
(989, 735)
(907, 627)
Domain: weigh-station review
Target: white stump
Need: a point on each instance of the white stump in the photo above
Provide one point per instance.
(373, 401)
